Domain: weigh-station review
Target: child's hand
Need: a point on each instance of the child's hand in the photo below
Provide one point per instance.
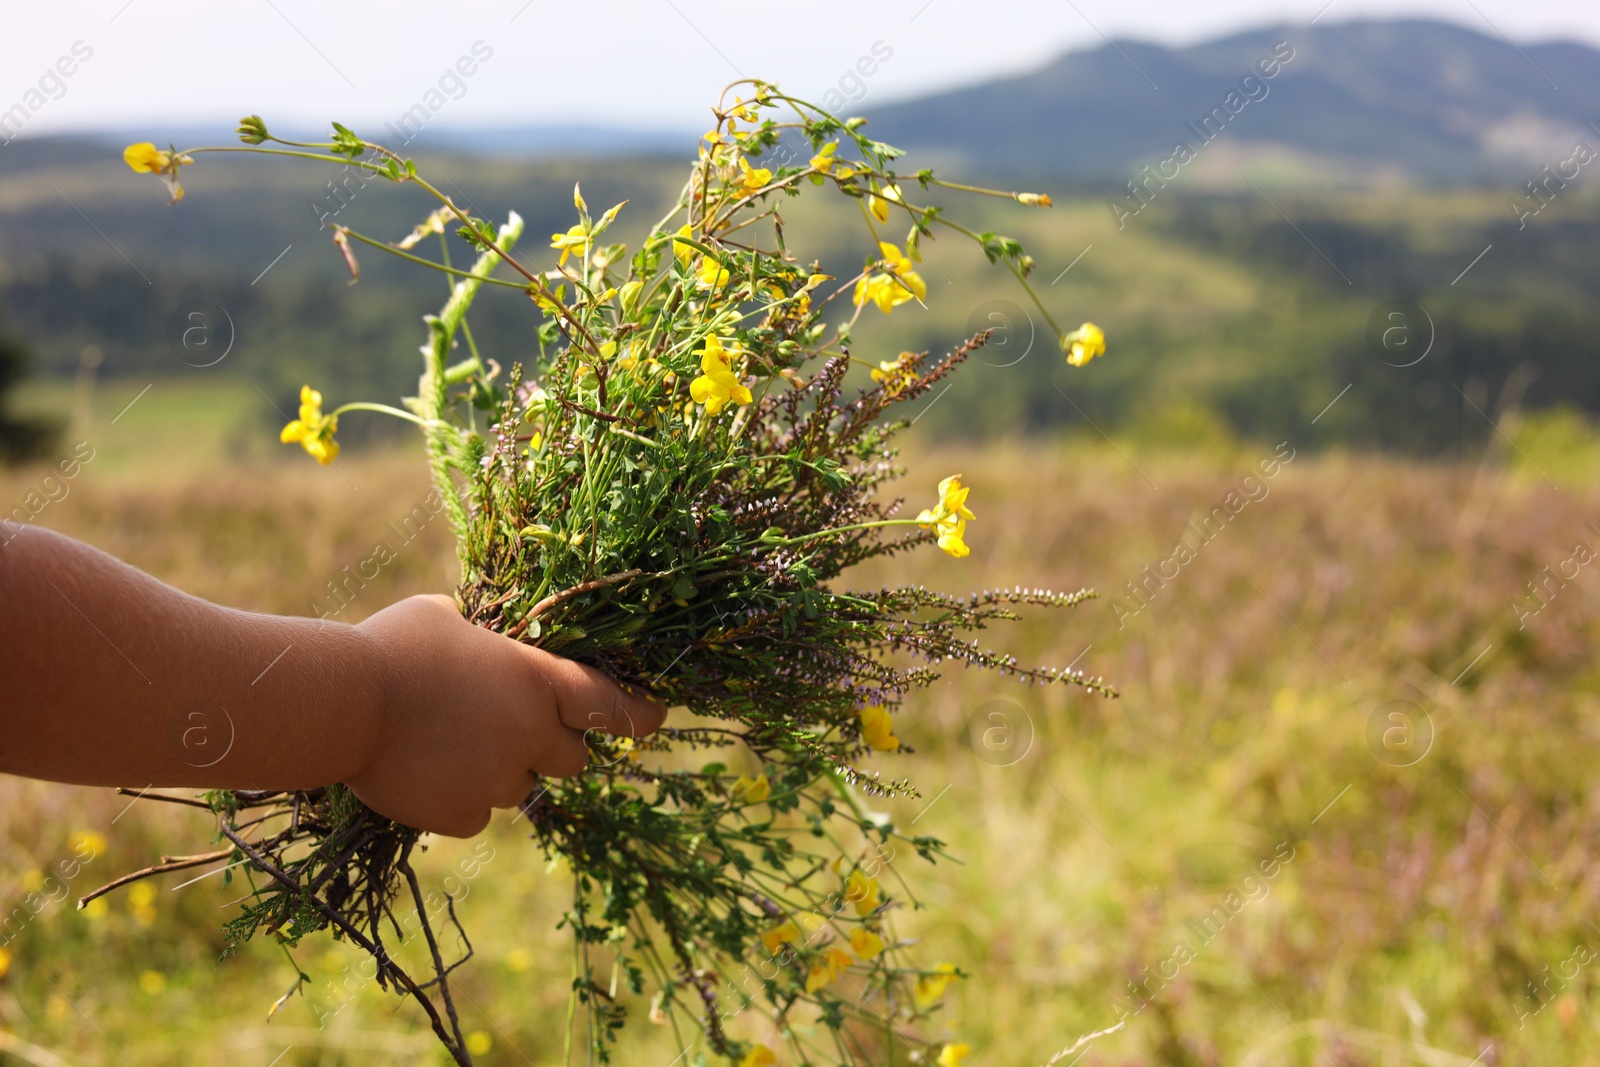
(111, 678)
(468, 718)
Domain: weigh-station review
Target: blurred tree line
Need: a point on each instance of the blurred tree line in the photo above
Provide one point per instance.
(249, 248)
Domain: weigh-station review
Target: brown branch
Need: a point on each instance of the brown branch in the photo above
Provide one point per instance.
(567, 594)
(591, 412)
(147, 795)
(168, 863)
(439, 969)
(457, 1051)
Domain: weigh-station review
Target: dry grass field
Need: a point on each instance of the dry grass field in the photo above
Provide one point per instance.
(1255, 856)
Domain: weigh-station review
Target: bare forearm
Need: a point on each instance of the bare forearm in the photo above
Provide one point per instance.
(201, 695)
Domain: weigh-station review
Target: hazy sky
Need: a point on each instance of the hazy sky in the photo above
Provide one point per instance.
(624, 62)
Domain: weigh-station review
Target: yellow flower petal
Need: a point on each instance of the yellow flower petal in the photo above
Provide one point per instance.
(759, 1056)
(863, 892)
(785, 933)
(1084, 343)
(930, 988)
(951, 540)
(877, 728)
(865, 943)
(712, 275)
(145, 158)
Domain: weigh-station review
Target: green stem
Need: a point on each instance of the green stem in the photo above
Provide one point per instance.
(362, 405)
(431, 388)
(803, 538)
(1060, 333)
(972, 188)
(365, 164)
(393, 251)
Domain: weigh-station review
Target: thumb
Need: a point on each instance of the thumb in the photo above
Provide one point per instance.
(586, 699)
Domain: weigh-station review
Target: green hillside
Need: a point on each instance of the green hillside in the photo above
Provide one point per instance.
(1229, 313)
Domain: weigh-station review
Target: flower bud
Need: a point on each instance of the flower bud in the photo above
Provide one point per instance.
(252, 130)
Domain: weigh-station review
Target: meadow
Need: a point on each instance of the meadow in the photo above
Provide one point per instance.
(1340, 813)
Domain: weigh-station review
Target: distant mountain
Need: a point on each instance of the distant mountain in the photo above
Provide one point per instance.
(1425, 100)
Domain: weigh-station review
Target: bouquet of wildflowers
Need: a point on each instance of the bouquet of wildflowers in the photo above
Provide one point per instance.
(672, 489)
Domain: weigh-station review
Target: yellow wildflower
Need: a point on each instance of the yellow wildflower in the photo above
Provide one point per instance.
(862, 890)
(5, 962)
(877, 729)
(683, 250)
(759, 1056)
(834, 962)
(865, 943)
(785, 933)
(824, 162)
(313, 429)
(88, 843)
(629, 294)
(952, 538)
(896, 375)
(751, 790)
(1083, 344)
(949, 516)
(479, 1043)
(146, 158)
(717, 383)
(878, 203)
(953, 497)
(753, 178)
(930, 988)
(142, 903)
(712, 275)
(889, 289)
(952, 1054)
(575, 241)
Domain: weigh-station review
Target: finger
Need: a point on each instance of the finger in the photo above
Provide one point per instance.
(459, 825)
(588, 700)
(517, 791)
(562, 754)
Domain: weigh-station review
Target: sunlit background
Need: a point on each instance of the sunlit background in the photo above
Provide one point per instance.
(1348, 243)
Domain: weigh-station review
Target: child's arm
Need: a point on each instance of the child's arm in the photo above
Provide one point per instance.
(109, 677)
